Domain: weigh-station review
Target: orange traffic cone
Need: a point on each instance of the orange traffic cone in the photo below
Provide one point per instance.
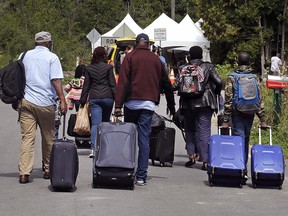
(172, 76)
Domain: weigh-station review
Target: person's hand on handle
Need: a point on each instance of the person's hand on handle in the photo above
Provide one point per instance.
(225, 125)
(118, 112)
(264, 125)
(63, 107)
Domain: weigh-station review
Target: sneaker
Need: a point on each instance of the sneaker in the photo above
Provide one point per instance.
(91, 154)
(141, 182)
(190, 163)
(205, 166)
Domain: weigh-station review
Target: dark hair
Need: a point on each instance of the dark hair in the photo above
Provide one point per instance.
(243, 58)
(99, 55)
(80, 70)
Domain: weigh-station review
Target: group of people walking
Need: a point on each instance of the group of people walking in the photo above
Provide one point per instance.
(142, 78)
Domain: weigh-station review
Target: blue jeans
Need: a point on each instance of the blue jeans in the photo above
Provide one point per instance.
(242, 125)
(197, 126)
(100, 112)
(142, 118)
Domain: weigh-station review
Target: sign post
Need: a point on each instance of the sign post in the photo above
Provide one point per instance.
(93, 36)
(160, 34)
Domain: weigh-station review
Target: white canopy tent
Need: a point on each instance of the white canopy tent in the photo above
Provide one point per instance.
(126, 28)
(186, 35)
(163, 21)
(179, 36)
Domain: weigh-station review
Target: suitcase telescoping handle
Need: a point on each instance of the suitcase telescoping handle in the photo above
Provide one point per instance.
(221, 127)
(64, 127)
(270, 134)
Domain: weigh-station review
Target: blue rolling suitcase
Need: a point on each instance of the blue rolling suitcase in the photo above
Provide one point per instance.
(267, 164)
(226, 163)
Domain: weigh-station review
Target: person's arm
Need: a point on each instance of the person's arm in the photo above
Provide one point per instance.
(168, 91)
(216, 79)
(85, 89)
(111, 80)
(261, 113)
(57, 83)
(228, 105)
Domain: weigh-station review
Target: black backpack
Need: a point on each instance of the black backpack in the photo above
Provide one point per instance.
(12, 82)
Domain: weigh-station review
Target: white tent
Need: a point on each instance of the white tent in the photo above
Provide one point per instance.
(126, 28)
(179, 36)
(132, 30)
(163, 21)
(191, 35)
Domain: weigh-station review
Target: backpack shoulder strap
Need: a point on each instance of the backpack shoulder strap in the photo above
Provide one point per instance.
(22, 56)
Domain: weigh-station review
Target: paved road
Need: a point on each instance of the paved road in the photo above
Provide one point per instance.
(170, 191)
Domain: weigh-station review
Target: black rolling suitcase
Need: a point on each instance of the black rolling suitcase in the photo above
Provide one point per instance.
(162, 145)
(64, 163)
(115, 155)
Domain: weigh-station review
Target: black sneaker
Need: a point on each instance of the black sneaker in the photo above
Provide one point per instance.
(190, 163)
(204, 166)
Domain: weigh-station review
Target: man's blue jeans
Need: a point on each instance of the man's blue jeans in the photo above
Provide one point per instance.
(142, 118)
(100, 112)
(242, 125)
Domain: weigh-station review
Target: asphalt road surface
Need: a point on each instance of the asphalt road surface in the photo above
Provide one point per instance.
(170, 190)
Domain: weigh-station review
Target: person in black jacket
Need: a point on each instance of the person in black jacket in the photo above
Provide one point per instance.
(100, 86)
(197, 111)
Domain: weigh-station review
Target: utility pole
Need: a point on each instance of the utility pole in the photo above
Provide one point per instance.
(173, 9)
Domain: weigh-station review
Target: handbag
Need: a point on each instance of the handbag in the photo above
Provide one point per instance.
(82, 124)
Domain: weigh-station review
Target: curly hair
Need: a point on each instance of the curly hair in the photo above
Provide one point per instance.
(99, 55)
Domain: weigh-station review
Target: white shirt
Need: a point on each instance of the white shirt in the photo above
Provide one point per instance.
(41, 66)
(140, 104)
(275, 64)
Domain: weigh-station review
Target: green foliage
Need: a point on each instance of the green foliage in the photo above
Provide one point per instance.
(231, 26)
(224, 70)
(280, 131)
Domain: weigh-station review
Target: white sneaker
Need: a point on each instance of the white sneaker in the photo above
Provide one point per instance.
(91, 154)
(140, 182)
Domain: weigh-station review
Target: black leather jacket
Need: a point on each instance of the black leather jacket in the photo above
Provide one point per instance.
(214, 86)
(99, 82)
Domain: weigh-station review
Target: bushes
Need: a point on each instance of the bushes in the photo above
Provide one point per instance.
(280, 131)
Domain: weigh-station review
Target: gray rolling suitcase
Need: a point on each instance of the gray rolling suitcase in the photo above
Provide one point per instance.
(115, 155)
(64, 163)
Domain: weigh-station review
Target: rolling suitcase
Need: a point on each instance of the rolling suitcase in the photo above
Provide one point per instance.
(267, 164)
(115, 155)
(162, 145)
(64, 163)
(226, 163)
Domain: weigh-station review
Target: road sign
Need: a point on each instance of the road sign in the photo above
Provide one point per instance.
(107, 41)
(160, 34)
(93, 36)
